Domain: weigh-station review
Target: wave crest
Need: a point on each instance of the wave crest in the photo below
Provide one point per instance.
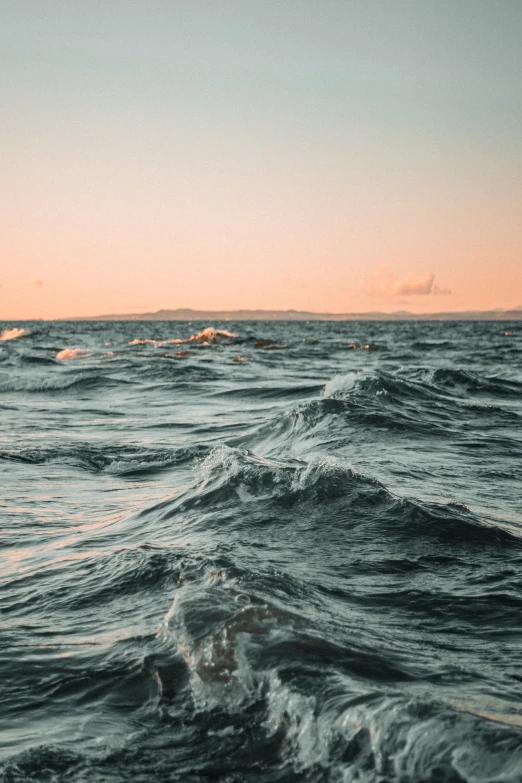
(71, 353)
(208, 336)
(14, 334)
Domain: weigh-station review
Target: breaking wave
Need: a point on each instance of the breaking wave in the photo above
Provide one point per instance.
(71, 353)
(208, 336)
(14, 334)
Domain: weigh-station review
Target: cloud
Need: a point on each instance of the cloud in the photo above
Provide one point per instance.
(37, 283)
(384, 283)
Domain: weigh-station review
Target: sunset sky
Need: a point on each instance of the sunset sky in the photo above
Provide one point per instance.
(340, 155)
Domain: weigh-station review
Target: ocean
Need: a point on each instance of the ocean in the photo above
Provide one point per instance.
(273, 552)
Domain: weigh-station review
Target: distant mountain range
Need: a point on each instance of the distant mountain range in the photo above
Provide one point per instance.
(186, 314)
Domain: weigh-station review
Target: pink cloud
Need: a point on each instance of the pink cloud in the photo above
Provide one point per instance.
(383, 283)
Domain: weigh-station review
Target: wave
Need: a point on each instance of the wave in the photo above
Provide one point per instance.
(238, 658)
(249, 655)
(388, 386)
(211, 336)
(329, 495)
(173, 374)
(156, 343)
(109, 458)
(375, 737)
(290, 736)
(468, 382)
(208, 336)
(71, 353)
(442, 383)
(61, 382)
(340, 384)
(432, 345)
(124, 573)
(21, 358)
(270, 391)
(14, 334)
(425, 402)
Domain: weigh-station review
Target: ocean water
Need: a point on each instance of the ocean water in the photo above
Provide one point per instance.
(296, 561)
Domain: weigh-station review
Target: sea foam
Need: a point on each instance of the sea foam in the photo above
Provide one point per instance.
(14, 334)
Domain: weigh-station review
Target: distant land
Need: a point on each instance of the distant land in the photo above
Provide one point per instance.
(186, 314)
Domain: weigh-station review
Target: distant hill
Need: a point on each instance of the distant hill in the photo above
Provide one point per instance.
(186, 314)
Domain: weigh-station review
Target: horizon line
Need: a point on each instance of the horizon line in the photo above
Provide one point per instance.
(271, 314)
(190, 314)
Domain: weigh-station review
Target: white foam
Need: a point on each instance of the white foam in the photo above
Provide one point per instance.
(71, 353)
(208, 336)
(340, 383)
(13, 334)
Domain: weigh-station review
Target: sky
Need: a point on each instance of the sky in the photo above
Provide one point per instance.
(322, 155)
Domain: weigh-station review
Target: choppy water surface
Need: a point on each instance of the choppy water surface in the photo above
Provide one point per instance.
(238, 563)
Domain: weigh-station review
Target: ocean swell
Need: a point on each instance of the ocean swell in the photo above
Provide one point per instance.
(301, 567)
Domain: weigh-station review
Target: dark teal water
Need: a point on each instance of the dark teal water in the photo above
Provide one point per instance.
(293, 563)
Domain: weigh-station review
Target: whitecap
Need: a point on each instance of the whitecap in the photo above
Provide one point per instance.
(13, 334)
(340, 383)
(71, 353)
(211, 336)
(208, 336)
(155, 343)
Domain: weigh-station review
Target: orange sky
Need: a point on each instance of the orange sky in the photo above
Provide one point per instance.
(343, 159)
